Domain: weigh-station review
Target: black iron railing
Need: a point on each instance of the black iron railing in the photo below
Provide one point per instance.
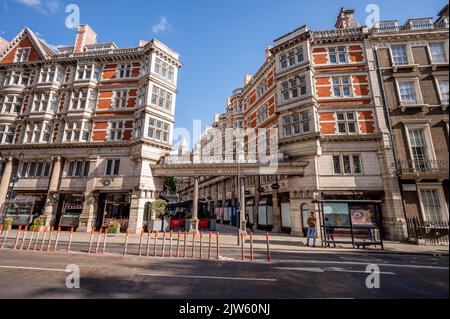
(431, 232)
(424, 167)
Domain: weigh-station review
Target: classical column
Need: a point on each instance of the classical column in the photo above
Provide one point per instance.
(242, 203)
(194, 220)
(137, 207)
(296, 216)
(87, 217)
(276, 218)
(50, 205)
(4, 185)
(257, 198)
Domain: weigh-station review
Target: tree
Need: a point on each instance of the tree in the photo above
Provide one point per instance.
(170, 184)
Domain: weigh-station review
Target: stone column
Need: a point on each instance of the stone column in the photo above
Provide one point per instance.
(4, 185)
(90, 202)
(51, 201)
(242, 204)
(296, 217)
(276, 219)
(257, 198)
(194, 220)
(137, 208)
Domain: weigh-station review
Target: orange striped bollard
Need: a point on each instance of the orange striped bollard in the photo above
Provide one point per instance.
(251, 247)
(185, 245)
(8, 228)
(125, 248)
(193, 244)
(33, 232)
(155, 245)
(70, 240)
(217, 245)
(269, 257)
(17, 237)
(99, 239)
(43, 239)
(91, 239)
(147, 251)
(24, 237)
(140, 242)
(170, 243)
(209, 245)
(57, 238)
(242, 246)
(52, 230)
(104, 241)
(163, 250)
(177, 253)
(201, 245)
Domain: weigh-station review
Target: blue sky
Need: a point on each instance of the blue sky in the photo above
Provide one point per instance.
(219, 41)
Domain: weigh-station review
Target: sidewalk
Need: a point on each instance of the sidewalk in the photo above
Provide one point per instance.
(279, 243)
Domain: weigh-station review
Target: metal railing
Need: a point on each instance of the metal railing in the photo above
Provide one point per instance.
(422, 167)
(411, 27)
(433, 233)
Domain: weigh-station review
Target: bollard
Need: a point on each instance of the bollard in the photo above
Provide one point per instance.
(217, 245)
(147, 252)
(52, 229)
(43, 239)
(251, 247)
(17, 237)
(269, 257)
(177, 254)
(140, 243)
(155, 243)
(170, 243)
(33, 231)
(125, 248)
(242, 246)
(209, 245)
(185, 244)
(201, 245)
(1, 229)
(6, 236)
(24, 237)
(90, 241)
(193, 245)
(57, 238)
(70, 240)
(37, 238)
(99, 239)
(104, 241)
(163, 245)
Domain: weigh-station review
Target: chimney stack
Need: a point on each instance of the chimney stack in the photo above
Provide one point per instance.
(247, 79)
(3, 44)
(345, 20)
(85, 36)
(268, 53)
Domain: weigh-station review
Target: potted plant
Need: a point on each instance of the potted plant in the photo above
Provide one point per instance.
(114, 226)
(38, 223)
(156, 221)
(7, 222)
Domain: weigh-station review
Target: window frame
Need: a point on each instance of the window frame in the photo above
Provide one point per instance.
(352, 164)
(442, 200)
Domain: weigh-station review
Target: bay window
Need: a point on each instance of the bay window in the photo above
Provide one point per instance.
(83, 99)
(158, 130)
(51, 73)
(163, 69)
(292, 57)
(77, 131)
(11, 103)
(88, 72)
(296, 124)
(7, 133)
(161, 98)
(293, 88)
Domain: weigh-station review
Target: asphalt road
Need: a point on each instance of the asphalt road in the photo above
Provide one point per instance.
(311, 275)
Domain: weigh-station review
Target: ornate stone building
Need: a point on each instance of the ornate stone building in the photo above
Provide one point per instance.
(322, 91)
(80, 128)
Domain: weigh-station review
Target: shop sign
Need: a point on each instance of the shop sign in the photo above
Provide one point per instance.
(409, 188)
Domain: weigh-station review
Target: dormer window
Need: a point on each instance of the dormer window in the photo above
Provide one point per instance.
(22, 55)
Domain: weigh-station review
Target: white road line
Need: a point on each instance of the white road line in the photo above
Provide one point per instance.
(208, 277)
(32, 268)
(358, 263)
(331, 269)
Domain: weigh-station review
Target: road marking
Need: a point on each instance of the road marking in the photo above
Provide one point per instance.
(32, 268)
(359, 263)
(209, 277)
(330, 269)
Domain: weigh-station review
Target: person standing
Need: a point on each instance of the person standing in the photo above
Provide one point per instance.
(329, 231)
(312, 221)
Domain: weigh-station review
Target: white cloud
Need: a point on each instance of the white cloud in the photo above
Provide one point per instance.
(54, 47)
(43, 6)
(162, 27)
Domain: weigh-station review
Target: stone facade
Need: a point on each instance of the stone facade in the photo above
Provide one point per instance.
(82, 128)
